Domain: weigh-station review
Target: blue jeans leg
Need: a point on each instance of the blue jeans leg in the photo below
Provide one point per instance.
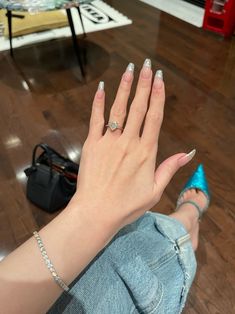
(148, 267)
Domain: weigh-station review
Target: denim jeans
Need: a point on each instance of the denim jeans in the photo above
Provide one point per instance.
(148, 267)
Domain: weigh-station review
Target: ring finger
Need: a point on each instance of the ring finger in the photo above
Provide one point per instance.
(119, 108)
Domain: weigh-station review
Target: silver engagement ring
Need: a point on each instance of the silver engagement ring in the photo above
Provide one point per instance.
(113, 125)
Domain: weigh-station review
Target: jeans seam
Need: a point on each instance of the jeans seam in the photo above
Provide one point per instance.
(156, 264)
(185, 288)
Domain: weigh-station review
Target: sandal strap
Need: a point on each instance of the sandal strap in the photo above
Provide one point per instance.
(199, 209)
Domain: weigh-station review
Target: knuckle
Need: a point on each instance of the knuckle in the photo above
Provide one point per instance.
(168, 168)
(145, 83)
(124, 87)
(138, 109)
(150, 146)
(118, 111)
(97, 121)
(156, 90)
(145, 154)
(154, 117)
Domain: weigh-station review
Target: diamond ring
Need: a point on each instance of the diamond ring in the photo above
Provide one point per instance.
(113, 125)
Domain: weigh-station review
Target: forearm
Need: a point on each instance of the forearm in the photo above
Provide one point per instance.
(71, 240)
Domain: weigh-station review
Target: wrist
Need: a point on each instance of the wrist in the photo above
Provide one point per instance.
(82, 234)
(95, 217)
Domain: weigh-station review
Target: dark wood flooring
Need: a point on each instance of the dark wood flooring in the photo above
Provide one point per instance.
(44, 99)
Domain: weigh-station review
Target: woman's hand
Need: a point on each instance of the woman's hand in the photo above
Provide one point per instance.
(117, 177)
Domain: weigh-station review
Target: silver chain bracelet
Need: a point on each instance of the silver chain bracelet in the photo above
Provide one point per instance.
(48, 263)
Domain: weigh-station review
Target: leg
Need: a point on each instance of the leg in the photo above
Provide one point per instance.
(74, 38)
(9, 18)
(187, 214)
(81, 19)
(128, 279)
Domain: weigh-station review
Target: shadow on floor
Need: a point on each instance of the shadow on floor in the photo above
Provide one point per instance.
(37, 66)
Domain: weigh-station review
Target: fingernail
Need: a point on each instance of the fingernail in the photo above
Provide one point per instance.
(130, 67)
(159, 78)
(147, 63)
(100, 90)
(101, 85)
(128, 75)
(186, 158)
(159, 74)
(146, 72)
(191, 154)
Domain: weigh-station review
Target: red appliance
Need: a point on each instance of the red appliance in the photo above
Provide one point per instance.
(220, 16)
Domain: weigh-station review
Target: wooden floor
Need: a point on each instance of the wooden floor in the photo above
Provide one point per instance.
(44, 99)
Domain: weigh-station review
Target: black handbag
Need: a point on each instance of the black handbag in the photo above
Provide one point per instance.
(52, 179)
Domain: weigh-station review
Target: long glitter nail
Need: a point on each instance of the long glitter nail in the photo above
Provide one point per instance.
(130, 67)
(147, 63)
(101, 85)
(191, 154)
(186, 158)
(159, 74)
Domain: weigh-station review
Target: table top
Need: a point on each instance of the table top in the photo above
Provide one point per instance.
(34, 6)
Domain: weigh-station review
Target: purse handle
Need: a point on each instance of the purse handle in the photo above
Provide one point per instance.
(46, 149)
(49, 152)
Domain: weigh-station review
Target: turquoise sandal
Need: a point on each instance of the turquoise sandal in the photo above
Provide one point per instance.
(196, 181)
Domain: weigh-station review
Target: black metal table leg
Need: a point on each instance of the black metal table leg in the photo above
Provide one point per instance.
(75, 43)
(9, 19)
(81, 19)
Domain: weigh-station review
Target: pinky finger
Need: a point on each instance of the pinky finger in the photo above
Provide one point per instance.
(97, 114)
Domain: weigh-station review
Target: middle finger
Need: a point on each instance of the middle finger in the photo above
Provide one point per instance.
(140, 102)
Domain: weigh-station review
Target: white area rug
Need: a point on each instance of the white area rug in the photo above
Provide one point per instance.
(97, 16)
(183, 10)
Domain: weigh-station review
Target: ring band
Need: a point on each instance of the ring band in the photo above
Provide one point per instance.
(113, 125)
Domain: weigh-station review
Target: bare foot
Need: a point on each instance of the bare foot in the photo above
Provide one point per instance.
(188, 214)
(196, 196)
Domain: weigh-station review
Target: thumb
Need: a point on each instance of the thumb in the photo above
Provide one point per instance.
(168, 168)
